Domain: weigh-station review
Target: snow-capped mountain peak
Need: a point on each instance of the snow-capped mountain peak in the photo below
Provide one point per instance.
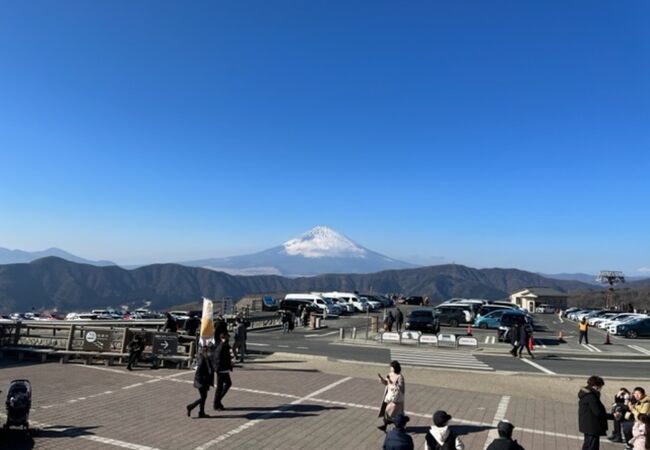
(321, 242)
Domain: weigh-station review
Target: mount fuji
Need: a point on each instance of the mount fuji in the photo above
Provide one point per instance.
(320, 250)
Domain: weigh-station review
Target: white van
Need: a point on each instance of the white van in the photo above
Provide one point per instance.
(324, 304)
(350, 298)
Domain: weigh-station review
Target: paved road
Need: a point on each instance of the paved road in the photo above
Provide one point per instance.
(552, 357)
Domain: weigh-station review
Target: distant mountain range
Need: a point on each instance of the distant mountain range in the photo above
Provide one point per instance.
(585, 277)
(20, 256)
(318, 251)
(52, 282)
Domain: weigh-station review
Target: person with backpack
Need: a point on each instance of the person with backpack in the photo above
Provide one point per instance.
(505, 441)
(441, 436)
(136, 347)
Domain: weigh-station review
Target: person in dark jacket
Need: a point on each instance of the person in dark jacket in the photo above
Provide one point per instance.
(220, 327)
(398, 438)
(399, 320)
(515, 335)
(441, 436)
(192, 324)
(136, 347)
(592, 416)
(505, 441)
(223, 367)
(525, 334)
(620, 408)
(170, 325)
(239, 346)
(203, 379)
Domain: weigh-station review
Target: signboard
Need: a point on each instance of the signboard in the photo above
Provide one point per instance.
(390, 336)
(97, 340)
(429, 339)
(447, 339)
(164, 344)
(465, 340)
(414, 335)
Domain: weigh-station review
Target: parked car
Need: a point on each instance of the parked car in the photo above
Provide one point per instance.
(618, 318)
(374, 304)
(493, 319)
(423, 320)
(451, 315)
(346, 308)
(594, 321)
(414, 300)
(351, 298)
(81, 316)
(269, 303)
(614, 324)
(634, 328)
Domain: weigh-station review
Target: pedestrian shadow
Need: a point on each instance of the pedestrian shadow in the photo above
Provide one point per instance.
(283, 411)
(461, 430)
(254, 361)
(18, 439)
(280, 369)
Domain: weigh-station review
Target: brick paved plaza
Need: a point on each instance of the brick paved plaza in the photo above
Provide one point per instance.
(284, 402)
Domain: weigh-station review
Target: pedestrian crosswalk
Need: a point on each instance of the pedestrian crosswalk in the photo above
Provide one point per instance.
(431, 358)
(592, 348)
(640, 349)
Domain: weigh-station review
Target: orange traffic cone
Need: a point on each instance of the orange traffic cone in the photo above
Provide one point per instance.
(607, 341)
(469, 329)
(560, 336)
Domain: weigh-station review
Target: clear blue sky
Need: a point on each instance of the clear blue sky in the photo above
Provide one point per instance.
(500, 133)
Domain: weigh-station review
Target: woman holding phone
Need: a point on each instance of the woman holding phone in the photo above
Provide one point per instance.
(393, 400)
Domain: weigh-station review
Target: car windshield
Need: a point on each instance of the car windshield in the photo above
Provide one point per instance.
(328, 301)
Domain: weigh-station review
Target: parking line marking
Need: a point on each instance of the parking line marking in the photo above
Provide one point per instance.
(588, 348)
(254, 344)
(252, 423)
(538, 367)
(324, 334)
(499, 415)
(596, 349)
(639, 349)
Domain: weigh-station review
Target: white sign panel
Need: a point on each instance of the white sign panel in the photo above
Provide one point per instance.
(429, 339)
(447, 338)
(414, 335)
(393, 337)
(471, 341)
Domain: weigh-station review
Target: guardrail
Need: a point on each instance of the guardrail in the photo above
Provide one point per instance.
(448, 340)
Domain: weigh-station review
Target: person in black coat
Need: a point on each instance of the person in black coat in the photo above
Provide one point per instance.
(515, 334)
(203, 379)
(192, 325)
(170, 325)
(505, 441)
(136, 347)
(592, 416)
(220, 327)
(399, 319)
(398, 438)
(223, 367)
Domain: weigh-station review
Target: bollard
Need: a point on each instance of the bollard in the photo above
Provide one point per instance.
(607, 341)
(354, 332)
(342, 334)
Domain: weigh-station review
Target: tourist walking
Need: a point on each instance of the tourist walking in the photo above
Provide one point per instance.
(441, 436)
(398, 438)
(526, 340)
(222, 367)
(394, 392)
(170, 324)
(285, 321)
(291, 322)
(515, 333)
(399, 320)
(583, 327)
(592, 416)
(239, 347)
(136, 347)
(389, 321)
(203, 379)
(504, 441)
(192, 325)
(220, 327)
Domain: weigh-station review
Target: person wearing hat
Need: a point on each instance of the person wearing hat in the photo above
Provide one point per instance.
(398, 438)
(440, 436)
(505, 441)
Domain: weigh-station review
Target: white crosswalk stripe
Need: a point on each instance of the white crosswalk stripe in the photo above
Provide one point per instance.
(592, 348)
(490, 340)
(639, 349)
(455, 360)
(539, 343)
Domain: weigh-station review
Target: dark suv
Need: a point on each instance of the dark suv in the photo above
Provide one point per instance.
(450, 315)
(414, 300)
(423, 320)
